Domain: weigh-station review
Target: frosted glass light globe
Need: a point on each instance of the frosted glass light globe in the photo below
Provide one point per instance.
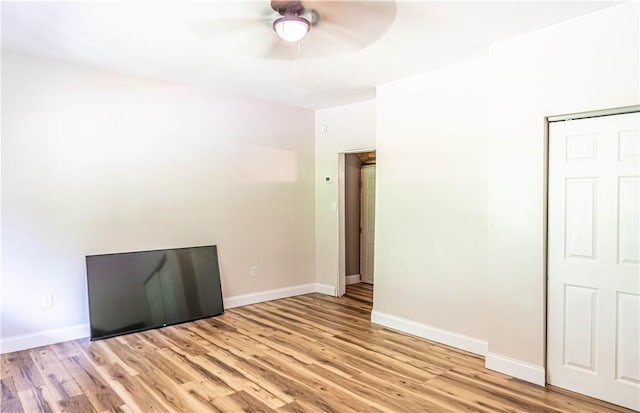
(291, 28)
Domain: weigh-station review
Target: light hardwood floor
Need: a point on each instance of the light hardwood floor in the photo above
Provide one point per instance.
(303, 354)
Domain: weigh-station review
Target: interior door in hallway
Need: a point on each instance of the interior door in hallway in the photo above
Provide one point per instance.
(593, 344)
(367, 222)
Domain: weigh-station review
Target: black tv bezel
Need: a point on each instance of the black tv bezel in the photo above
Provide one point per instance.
(92, 338)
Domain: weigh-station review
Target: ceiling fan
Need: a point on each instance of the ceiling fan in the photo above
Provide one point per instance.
(294, 29)
(295, 21)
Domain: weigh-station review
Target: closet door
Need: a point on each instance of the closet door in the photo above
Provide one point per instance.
(593, 258)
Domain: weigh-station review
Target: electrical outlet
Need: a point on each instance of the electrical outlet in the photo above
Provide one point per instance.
(46, 301)
(254, 271)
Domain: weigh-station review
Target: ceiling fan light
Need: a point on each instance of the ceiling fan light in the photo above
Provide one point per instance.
(291, 28)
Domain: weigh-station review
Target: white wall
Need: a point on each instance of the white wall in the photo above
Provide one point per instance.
(94, 162)
(588, 63)
(460, 241)
(349, 128)
(431, 225)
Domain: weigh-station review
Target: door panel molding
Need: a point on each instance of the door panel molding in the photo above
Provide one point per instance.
(593, 256)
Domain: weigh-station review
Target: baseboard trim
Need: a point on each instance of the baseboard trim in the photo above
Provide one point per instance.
(43, 338)
(325, 289)
(470, 344)
(269, 295)
(352, 279)
(516, 368)
(58, 335)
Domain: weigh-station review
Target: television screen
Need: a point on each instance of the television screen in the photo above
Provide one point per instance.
(135, 291)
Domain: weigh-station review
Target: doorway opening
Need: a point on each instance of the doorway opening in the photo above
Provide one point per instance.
(357, 172)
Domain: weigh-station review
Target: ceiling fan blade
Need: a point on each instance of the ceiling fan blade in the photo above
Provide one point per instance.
(281, 50)
(210, 28)
(363, 21)
(343, 38)
(232, 27)
(277, 51)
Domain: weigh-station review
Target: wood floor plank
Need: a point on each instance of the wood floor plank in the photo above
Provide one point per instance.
(10, 402)
(77, 404)
(300, 406)
(65, 350)
(60, 383)
(126, 409)
(241, 402)
(324, 354)
(426, 353)
(154, 339)
(199, 397)
(310, 353)
(100, 395)
(301, 317)
(21, 368)
(125, 356)
(101, 353)
(582, 402)
(247, 321)
(293, 388)
(164, 390)
(179, 337)
(169, 367)
(496, 383)
(213, 382)
(37, 399)
(496, 402)
(263, 395)
(284, 321)
(259, 385)
(405, 369)
(318, 384)
(222, 370)
(385, 398)
(423, 395)
(240, 343)
(129, 389)
(90, 352)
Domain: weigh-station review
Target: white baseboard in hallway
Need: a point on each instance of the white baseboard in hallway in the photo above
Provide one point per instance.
(352, 279)
(269, 295)
(326, 289)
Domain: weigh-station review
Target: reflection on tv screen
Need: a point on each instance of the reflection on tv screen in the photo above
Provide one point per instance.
(136, 291)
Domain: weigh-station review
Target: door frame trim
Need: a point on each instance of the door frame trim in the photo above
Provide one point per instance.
(342, 261)
(594, 113)
(363, 248)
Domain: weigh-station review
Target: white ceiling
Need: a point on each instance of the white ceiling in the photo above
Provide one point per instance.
(229, 45)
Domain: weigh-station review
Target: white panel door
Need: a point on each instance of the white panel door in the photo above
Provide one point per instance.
(367, 222)
(593, 329)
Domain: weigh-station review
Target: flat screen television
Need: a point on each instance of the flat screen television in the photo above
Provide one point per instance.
(136, 291)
